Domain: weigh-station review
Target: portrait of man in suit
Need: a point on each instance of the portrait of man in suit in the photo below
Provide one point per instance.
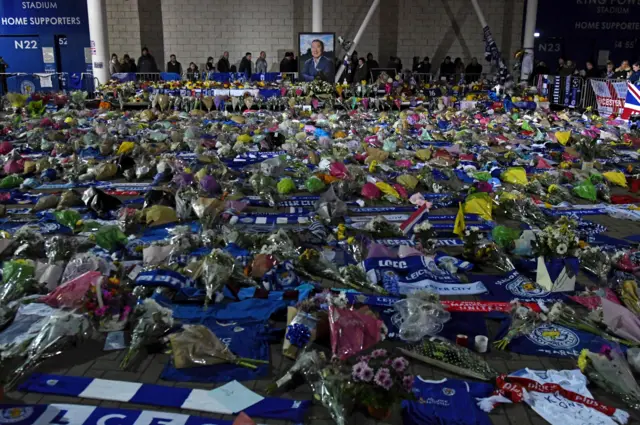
(317, 61)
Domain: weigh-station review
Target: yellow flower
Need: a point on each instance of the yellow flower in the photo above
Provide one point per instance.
(372, 166)
(583, 360)
(342, 229)
(363, 82)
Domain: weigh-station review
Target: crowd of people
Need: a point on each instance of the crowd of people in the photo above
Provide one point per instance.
(360, 68)
(567, 68)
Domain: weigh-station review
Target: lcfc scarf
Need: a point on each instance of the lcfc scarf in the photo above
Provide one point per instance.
(159, 395)
(404, 276)
(514, 286)
(75, 414)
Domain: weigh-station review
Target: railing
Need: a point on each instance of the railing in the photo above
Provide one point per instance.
(573, 91)
(202, 76)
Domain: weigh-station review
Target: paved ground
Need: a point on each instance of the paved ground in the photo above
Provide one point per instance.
(92, 362)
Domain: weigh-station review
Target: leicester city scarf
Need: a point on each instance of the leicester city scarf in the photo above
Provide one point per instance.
(514, 286)
(76, 414)
(158, 395)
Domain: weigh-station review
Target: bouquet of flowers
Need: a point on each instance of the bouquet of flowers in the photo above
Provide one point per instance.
(418, 315)
(564, 315)
(196, 345)
(441, 353)
(58, 332)
(427, 235)
(557, 241)
(307, 363)
(330, 387)
(523, 322)
(152, 323)
(18, 280)
(319, 86)
(353, 331)
(355, 277)
(610, 371)
(379, 381)
(597, 261)
(109, 303)
(629, 294)
(471, 240)
(381, 228)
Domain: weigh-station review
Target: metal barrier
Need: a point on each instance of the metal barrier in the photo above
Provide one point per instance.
(590, 97)
(562, 91)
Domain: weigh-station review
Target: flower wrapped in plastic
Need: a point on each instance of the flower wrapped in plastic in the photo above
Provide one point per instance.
(215, 271)
(152, 322)
(610, 371)
(596, 261)
(523, 322)
(307, 363)
(18, 280)
(58, 332)
(330, 387)
(451, 357)
(426, 234)
(197, 346)
(353, 331)
(418, 315)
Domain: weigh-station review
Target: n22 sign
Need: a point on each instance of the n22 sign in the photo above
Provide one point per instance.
(25, 44)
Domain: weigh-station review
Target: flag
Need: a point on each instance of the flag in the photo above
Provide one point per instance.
(632, 102)
(414, 219)
(458, 226)
(492, 54)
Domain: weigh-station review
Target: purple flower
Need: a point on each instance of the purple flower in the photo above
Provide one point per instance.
(399, 364)
(387, 362)
(407, 382)
(382, 375)
(367, 374)
(387, 383)
(356, 371)
(380, 352)
(364, 359)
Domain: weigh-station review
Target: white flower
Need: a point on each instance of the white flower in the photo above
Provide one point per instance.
(474, 228)
(424, 226)
(562, 249)
(467, 233)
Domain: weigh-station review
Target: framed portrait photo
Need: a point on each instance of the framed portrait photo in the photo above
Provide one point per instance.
(316, 56)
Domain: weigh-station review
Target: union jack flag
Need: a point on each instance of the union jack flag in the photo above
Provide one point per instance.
(632, 102)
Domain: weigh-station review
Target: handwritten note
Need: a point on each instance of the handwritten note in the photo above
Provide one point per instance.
(235, 396)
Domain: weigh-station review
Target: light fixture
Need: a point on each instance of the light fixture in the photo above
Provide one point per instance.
(536, 34)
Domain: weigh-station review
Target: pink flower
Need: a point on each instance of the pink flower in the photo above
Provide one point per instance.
(367, 374)
(364, 359)
(380, 352)
(407, 382)
(399, 364)
(100, 311)
(381, 376)
(387, 362)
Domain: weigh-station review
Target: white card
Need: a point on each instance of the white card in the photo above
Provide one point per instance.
(235, 396)
(542, 275)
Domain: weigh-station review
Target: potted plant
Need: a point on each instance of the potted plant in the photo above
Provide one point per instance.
(379, 382)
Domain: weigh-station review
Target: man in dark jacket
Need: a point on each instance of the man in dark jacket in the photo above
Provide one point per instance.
(424, 67)
(371, 63)
(223, 63)
(174, 66)
(447, 68)
(288, 64)
(146, 62)
(245, 65)
(473, 71)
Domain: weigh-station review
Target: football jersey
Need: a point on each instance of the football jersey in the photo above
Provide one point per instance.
(446, 402)
(555, 408)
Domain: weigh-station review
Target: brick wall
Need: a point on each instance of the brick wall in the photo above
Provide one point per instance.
(196, 29)
(124, 27)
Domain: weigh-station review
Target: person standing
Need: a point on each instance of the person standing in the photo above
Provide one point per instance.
(415, 64)
(3, 75)
(261, 64)
(610, 72)
(473, 71)
(634, 78)
(459, 70)
(125, 64)
(561, 65)
(114, 65)
(447, 68)
(287, 64)
(624, 71)
(209, 67)
(223, 63)
(146, 62)
(174, 66)
(362, 72)
(245, 65)
(591, 71)
(371, 63)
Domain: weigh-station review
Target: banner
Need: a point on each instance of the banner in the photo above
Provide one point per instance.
(75, 414)
(610, 96)
(514, 286)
